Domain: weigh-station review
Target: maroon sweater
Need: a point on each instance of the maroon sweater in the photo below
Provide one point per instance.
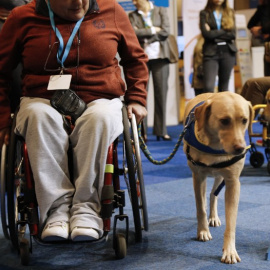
(27, 36)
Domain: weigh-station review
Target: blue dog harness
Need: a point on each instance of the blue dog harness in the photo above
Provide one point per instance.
(192, 140)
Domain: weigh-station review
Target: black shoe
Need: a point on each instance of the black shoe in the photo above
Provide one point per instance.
(164, 138)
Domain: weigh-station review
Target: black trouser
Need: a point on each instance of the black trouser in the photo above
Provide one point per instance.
(159, 68)
(220, 65)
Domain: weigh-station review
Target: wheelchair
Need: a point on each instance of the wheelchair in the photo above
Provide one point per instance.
(19, 209)
(257, 157)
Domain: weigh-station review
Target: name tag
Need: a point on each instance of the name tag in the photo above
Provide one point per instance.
(59, 82)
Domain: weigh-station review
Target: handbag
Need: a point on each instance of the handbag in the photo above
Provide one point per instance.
(68, 103)
(267, 51)
(174, 53)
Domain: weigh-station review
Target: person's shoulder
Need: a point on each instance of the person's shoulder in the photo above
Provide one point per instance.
(204, 11)
(25, 10)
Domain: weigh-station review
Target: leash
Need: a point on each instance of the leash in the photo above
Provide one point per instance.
(147, 153)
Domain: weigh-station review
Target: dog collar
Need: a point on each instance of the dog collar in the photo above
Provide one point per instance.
(192, 140)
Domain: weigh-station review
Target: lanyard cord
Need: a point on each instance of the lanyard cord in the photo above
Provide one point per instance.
(60, 38)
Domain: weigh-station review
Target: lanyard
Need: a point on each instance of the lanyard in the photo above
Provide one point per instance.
(60, 38)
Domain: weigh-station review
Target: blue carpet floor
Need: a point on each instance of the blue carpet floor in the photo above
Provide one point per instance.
(170, 242)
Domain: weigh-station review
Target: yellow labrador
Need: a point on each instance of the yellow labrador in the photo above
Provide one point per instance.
(220, 122)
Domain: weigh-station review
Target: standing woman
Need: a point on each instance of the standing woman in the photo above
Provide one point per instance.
(217, 24)
(151, 25)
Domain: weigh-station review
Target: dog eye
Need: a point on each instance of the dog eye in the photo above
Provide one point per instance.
(225, 121)
(244, 121)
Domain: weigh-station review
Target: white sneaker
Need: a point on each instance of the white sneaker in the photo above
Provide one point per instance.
(84, 234)
(55, 231)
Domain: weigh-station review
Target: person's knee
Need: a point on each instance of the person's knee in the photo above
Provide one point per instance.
(34, 115)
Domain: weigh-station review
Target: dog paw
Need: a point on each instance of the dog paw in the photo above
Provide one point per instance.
(204, 236)
(230, 257)
(214, 221)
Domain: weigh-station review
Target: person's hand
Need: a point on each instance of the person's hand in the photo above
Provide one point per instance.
(207, 27)
(158, 29)
(256, 31)
(139, 111)
(4, 136)
(4, 13)
(265, 36)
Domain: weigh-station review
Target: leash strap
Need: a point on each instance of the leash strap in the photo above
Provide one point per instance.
(147, 153)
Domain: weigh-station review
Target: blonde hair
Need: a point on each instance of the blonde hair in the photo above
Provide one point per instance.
(227, 20)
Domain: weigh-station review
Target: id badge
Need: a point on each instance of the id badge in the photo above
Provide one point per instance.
(59, 82)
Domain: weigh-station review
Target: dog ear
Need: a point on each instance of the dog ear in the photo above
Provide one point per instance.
(251, 117)
(202, 114)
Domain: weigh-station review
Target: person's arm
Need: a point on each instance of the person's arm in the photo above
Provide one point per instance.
(133, 60)
(214, 34)
(141, 32)
(255, 19)
(9, 59)
(163, 29)
(207, 32)
(265, 21)
(160, 29)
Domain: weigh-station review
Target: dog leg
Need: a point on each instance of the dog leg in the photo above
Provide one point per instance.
(199, 184)
(214, 220)
(232, 194)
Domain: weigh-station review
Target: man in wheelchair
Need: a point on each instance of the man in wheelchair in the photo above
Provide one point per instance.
(70, 44)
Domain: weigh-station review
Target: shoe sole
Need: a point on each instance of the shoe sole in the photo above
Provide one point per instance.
(54, 239)
(83, 238)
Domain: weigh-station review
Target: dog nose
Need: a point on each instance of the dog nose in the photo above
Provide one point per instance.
(238, 149)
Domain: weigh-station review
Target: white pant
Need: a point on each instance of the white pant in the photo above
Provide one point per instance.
(47, 143)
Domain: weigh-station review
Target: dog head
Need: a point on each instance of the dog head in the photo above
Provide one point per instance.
(222, 120)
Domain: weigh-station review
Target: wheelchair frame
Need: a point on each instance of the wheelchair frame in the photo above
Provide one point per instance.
(256, 157)
(19, 208)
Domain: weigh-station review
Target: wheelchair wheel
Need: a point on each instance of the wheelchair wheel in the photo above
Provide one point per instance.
(14, 185)
(120, 246)
(3, 191)
(24, 251)
(135, 180)
(140, 179)
(256, 159)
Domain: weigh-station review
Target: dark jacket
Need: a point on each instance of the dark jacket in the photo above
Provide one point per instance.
(215, 36)
(261, 17)
(10, 4)
(160, 19)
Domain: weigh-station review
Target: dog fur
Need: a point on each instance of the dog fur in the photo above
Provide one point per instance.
(220, 123)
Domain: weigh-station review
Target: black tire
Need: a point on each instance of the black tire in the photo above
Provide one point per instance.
(3, 191)
(256, 159)
(139, 173)
(14, 158)
(131, 177)
(24, 252)
(120, 246)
